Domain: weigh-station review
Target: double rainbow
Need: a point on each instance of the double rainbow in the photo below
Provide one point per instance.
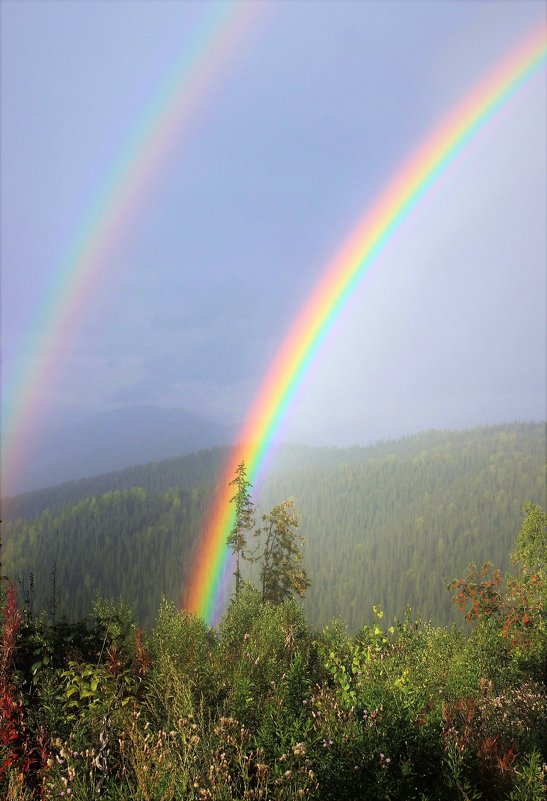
(338, 281)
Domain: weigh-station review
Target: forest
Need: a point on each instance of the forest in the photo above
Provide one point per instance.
(266, 706)
(437, 500)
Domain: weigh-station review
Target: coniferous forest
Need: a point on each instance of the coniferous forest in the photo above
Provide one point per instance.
(380, 666)
(389, 524)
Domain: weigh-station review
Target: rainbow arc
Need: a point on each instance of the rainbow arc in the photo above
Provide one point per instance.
(211, 569)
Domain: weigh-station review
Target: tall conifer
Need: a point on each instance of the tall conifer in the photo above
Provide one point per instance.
(244, 519)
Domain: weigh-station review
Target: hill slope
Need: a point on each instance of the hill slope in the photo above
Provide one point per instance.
(385, 524)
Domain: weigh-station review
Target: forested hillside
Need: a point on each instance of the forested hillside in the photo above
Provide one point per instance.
(387, 525)
(184, 472)
(128, 544)
(389, 529)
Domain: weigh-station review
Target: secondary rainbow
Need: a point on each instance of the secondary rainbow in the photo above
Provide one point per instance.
(211, 568)
(211, 38)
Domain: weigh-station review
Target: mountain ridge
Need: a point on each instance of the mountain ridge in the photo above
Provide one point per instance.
(116, 439)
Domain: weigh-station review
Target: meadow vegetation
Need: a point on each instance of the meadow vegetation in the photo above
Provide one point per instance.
(265, 707)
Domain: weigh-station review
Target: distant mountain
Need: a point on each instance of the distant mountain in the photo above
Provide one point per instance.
(117, 439)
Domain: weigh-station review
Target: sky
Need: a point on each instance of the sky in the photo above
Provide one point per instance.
(302, 122)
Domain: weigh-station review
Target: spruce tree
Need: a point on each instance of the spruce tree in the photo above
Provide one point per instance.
(244, 519)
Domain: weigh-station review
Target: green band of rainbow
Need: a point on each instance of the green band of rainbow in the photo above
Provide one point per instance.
(338, 282)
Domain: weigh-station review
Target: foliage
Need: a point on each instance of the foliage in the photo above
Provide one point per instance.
(181, 642)
(512, 605)
(255, 664)
(19, 753)
(531, 546)
(281, 572)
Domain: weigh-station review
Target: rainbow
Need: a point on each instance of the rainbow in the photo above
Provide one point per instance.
(210, 574)
(213, 37)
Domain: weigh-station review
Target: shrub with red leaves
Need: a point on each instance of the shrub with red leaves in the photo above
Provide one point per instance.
(17, 747)
(10, 630)
(514, 602)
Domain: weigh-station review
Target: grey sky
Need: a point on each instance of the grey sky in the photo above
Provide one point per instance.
(321, 104)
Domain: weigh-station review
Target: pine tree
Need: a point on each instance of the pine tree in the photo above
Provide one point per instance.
(244, 519)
